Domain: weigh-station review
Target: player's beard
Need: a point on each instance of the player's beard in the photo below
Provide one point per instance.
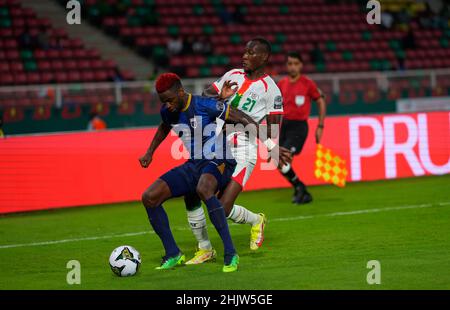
(249, 71)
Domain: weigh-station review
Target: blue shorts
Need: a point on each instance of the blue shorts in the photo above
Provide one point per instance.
(183, 180)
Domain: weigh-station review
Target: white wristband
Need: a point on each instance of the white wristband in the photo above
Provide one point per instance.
(269, 144)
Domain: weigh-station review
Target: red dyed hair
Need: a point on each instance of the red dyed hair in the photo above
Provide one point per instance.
(165, 81)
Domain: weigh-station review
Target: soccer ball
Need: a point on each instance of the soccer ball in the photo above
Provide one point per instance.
(125, 261)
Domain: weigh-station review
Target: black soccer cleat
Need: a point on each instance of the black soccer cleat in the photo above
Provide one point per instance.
(298, 193)
(303, 198)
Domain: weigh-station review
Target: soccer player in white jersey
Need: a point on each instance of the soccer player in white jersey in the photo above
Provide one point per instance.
(258, 96)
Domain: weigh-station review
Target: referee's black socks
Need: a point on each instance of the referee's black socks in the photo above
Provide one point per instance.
(294, 180)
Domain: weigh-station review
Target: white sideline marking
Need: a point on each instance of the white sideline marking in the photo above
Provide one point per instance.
(295, 218)
(72, 240)
(356, 212)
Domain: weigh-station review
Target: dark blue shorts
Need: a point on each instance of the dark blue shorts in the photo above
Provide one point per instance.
(183, 179)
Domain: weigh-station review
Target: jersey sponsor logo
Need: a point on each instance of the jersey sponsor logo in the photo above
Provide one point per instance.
(278, 102)
(220, 106)
(253, 96)
(193, 122)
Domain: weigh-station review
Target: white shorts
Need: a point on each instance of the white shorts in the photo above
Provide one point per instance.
(245, 153)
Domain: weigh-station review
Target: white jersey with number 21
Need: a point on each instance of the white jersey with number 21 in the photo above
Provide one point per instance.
(256, 98)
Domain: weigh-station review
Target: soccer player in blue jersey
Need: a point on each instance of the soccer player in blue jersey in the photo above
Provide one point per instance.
(203, 175)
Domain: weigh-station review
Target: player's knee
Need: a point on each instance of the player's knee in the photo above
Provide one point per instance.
(204, 191)
(150, 199)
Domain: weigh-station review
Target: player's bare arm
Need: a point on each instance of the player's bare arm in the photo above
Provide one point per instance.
(284, 155)
(228, 89)
(210, 92)
(273, 119)
(236, 116)
(322, 112)
(161, 134)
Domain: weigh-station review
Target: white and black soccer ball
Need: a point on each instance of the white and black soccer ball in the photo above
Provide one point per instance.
(125, 261)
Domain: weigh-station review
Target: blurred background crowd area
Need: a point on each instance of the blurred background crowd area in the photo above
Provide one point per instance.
(54, 76)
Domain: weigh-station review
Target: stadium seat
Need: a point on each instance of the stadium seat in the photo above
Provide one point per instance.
(33, 59)
(348, 43)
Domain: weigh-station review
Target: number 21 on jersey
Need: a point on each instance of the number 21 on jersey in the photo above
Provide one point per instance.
(249, 102)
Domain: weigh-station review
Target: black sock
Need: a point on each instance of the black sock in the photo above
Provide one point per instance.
(219, 220)
(160, 223)
(294, 180)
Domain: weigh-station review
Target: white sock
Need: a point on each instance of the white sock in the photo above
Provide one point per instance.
(197, 221)
(241, 215)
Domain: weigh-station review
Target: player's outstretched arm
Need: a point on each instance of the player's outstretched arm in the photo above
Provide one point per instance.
(228, 89)
(275, 151)
(236, 116)
(273, 119)
(210, 92)
(281, 155)
(161, 134)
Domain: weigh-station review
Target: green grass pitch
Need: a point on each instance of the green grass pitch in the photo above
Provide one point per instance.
(404, 224)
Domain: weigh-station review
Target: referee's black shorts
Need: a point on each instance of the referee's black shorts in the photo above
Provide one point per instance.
(293, 135)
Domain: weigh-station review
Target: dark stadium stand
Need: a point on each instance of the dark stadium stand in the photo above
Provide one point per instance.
(333, 38)
(32, 52)
(347, 42)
